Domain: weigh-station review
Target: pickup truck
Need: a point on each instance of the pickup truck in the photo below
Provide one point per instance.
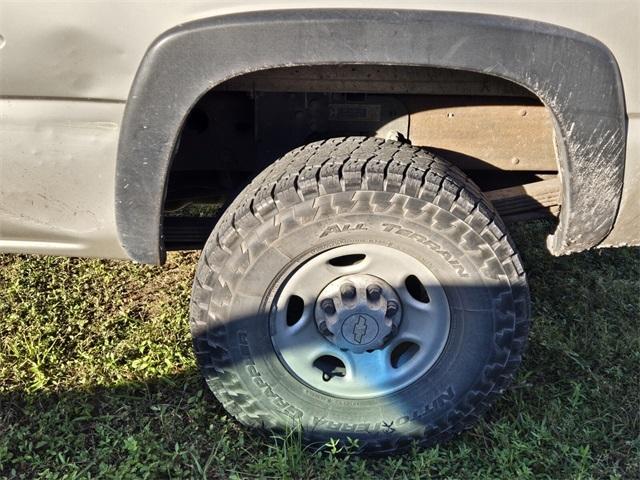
(348, 170)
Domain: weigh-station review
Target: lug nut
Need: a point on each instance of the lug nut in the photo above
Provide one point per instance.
(328, 306)
(348, 291)
(392, 308)
(374, 292)
(324, 330)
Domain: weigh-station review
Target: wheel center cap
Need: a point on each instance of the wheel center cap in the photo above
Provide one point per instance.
(360, 329)
(358, 312)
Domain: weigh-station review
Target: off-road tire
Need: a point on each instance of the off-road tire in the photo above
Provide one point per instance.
(281, 219)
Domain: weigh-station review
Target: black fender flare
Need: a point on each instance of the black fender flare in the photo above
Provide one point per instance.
(574, 75)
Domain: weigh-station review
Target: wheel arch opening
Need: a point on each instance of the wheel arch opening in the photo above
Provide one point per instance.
(497, 132)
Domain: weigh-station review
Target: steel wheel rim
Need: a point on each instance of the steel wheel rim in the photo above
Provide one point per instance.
(415, 346)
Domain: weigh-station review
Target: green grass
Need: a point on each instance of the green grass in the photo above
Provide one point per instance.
(97, 380)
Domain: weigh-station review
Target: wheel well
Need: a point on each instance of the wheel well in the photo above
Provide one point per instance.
(575, 76)
(496, 131)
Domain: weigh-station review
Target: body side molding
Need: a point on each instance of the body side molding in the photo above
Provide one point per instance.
(575, 76)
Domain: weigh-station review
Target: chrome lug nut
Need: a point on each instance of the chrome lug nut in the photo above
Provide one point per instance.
(348, 291)
(328, 306)
(374, 292)
(324, 330)
(392, 308)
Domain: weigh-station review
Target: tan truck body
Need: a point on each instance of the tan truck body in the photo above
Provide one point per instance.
(66, 70)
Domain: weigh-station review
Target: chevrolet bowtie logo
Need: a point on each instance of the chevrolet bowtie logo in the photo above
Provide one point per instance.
(360, 329)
